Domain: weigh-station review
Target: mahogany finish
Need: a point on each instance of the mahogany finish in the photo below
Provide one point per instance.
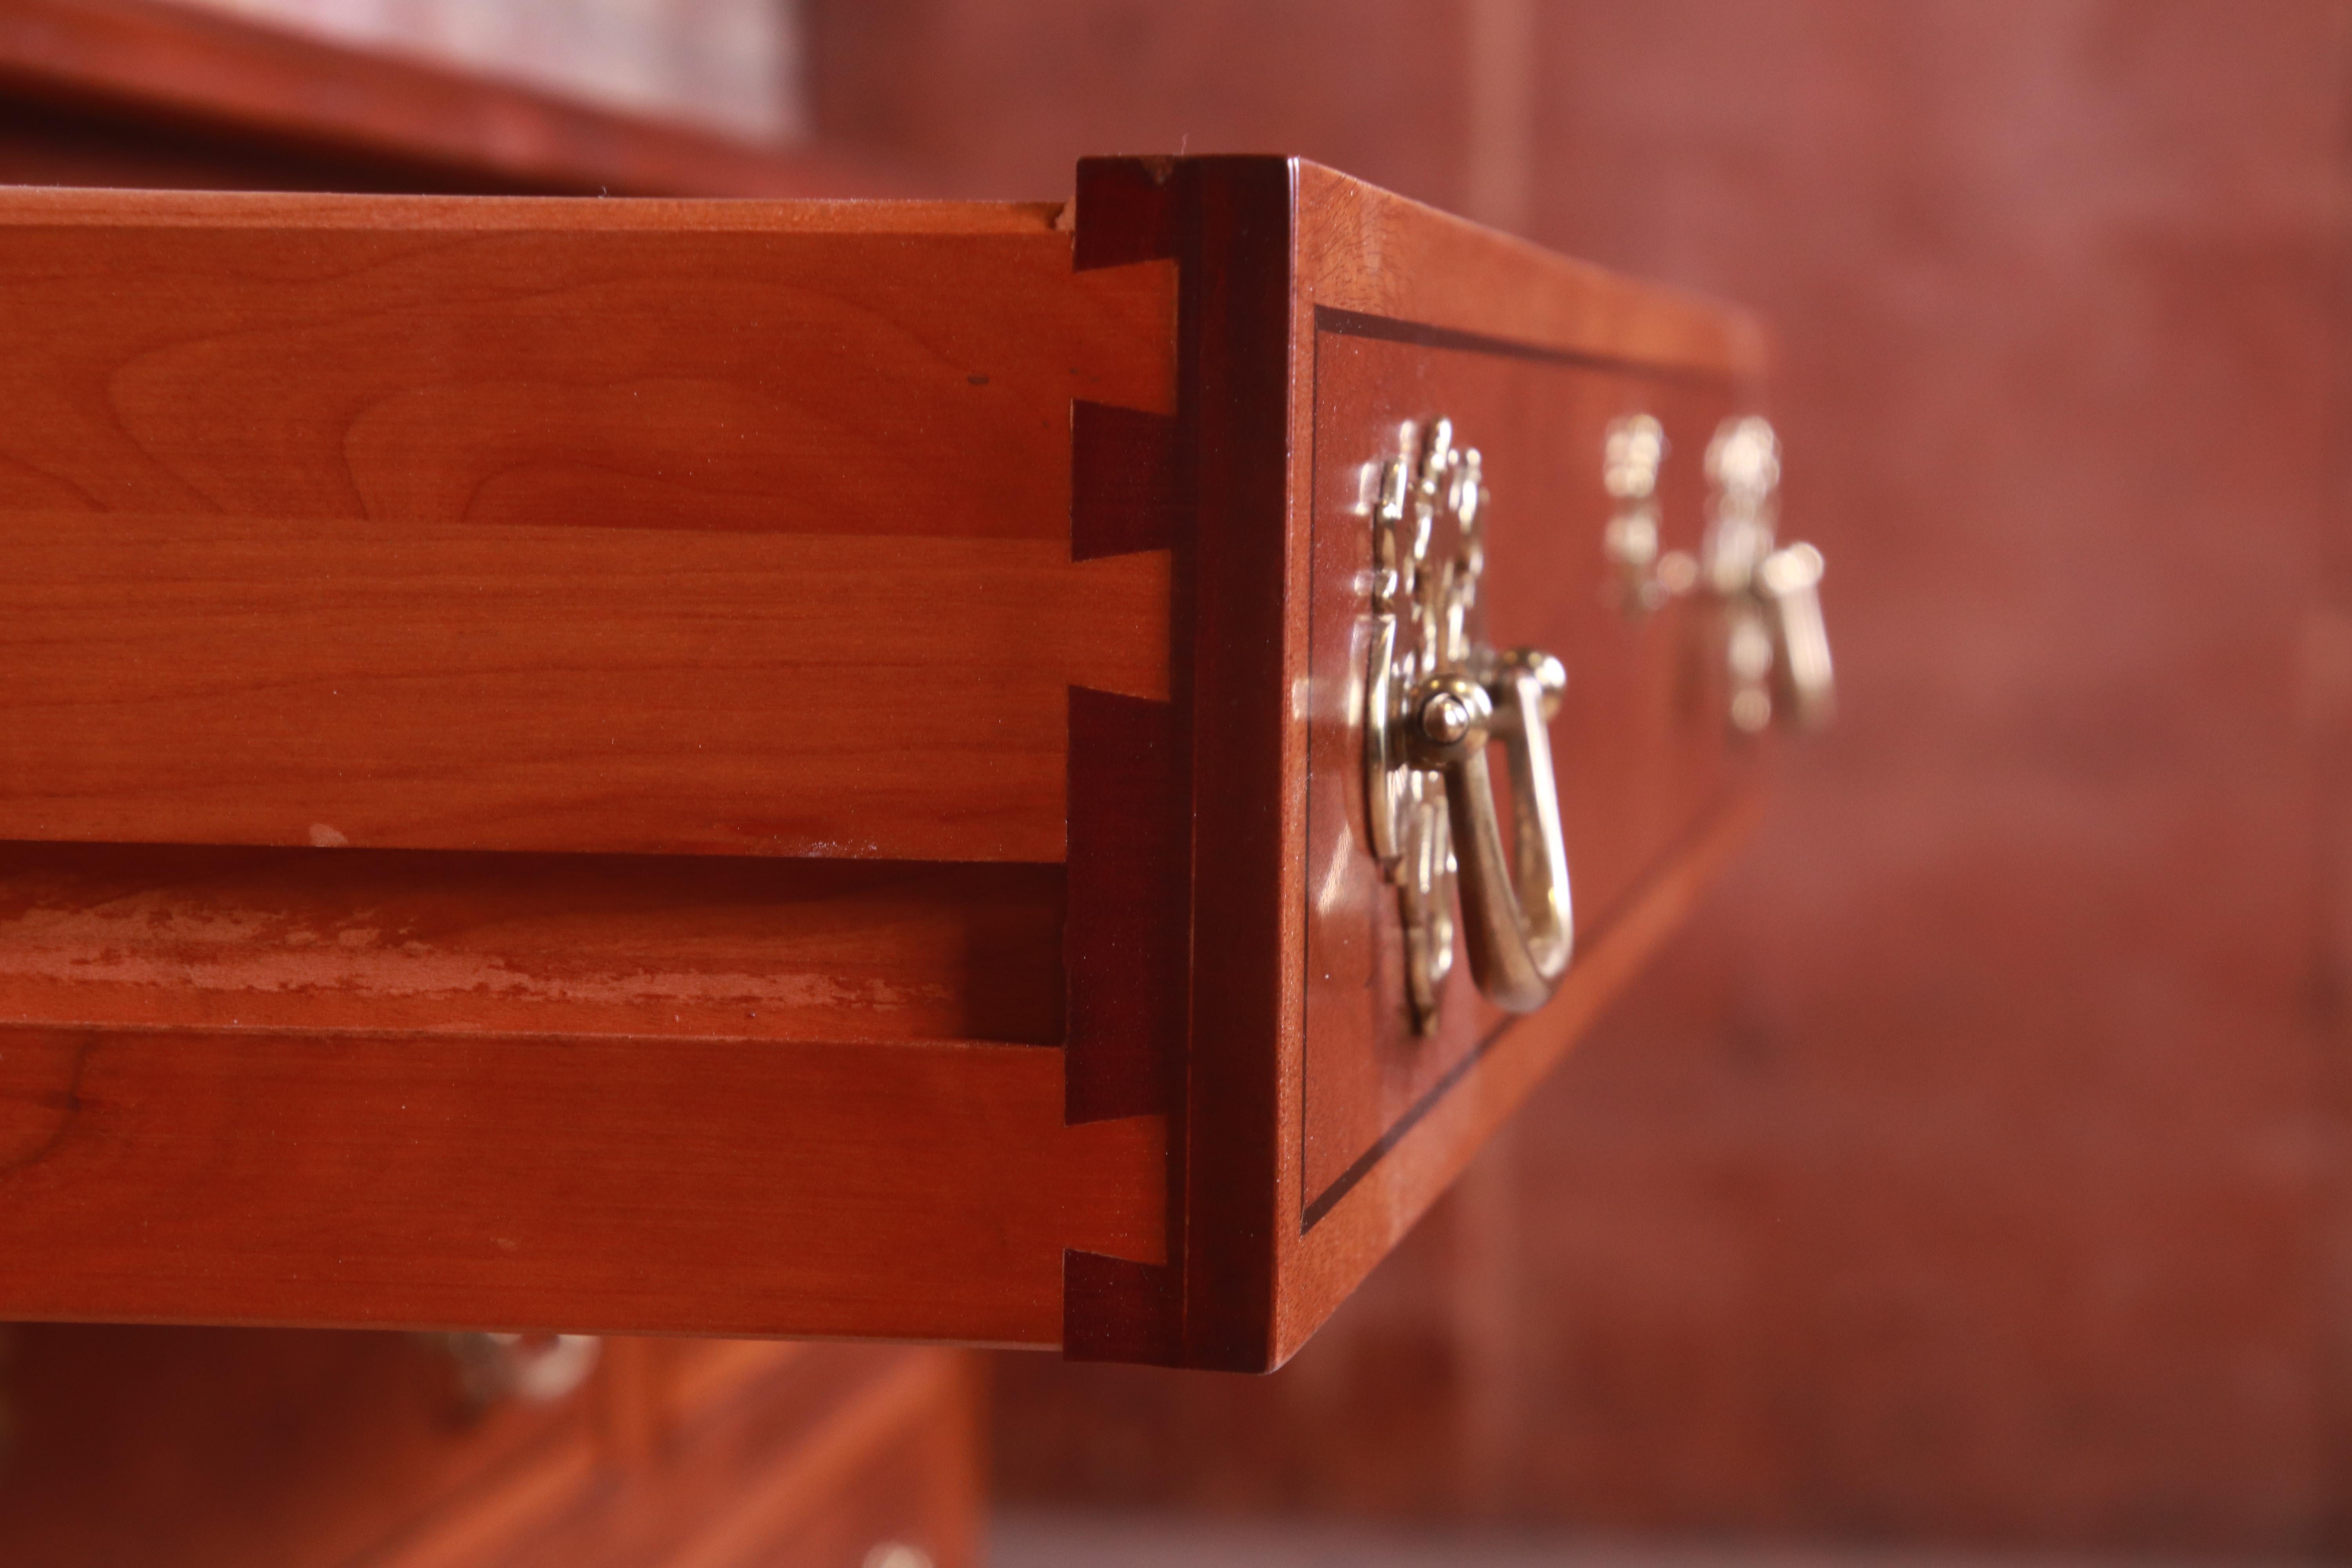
(1270, 251)
(1644, 763)
(758, 768)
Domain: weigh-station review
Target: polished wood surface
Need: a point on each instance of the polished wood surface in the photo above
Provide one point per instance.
(1642, 753)
(602, 1182)
(461, 525)
(1417, 313)
(180, 1448)
(187, 1448)
(573, 764)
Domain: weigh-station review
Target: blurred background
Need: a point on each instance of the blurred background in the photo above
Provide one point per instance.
(1974, 1170)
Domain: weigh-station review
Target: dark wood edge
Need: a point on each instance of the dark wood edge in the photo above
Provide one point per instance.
(1228, 224)
(1237, 336)
(181, 69)
(1130, 911)
(1124, 912)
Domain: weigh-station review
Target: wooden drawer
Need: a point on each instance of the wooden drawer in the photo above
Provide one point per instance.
(781, 768)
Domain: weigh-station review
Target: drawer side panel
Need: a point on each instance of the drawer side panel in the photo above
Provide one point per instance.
(591, 527)
(721, 1186)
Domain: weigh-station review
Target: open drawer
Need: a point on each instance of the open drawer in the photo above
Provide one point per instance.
(801, 768)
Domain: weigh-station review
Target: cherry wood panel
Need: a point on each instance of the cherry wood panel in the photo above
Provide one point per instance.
(358, 538)
(463, 525)
(553, 687)
(709, 1185)
(1401, 271)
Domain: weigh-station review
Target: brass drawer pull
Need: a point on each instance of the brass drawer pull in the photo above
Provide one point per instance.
(1434, 699)
(1518, 921)
(1776, 646)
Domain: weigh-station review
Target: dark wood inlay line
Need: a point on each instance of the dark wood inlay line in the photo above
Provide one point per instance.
(1328, 1199)
(1339, 323)
(1390, 329)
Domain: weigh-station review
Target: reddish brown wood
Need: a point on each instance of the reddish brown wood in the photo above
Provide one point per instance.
(1124, 481)
(1640, 746)
(1264, 245)
(644, 946)
(461, 524)
(1124, 937)
(426, 528)
(1419, 314)
(1415, 313)
(1234, 217)
(203, 99)
(708, 1184)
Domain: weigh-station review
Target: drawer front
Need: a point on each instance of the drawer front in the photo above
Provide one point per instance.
(778, 769)
(1327, 326)
(534, 767)
(1640, 750)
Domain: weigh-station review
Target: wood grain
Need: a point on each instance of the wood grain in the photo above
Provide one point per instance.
(422, 523)
(642, 946)
(455, 535)
(597, 1184)
(624, 690)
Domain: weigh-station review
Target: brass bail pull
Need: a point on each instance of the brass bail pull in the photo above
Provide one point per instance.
(1518, 921)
